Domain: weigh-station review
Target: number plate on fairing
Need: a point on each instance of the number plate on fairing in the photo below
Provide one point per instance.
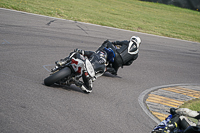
(89, 68)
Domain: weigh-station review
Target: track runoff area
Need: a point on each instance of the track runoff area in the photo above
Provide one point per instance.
(159, 100)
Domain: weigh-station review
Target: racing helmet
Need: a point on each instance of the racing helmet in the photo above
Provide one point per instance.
(173, 111)
(136, 39)
(134, 43)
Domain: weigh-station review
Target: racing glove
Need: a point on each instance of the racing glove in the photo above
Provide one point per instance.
(79, 51)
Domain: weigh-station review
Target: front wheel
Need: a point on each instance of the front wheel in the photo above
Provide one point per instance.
(65, 72)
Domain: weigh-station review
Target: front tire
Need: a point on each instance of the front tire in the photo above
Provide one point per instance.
(65, 72)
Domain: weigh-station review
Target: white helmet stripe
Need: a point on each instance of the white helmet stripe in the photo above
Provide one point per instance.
(129, 47)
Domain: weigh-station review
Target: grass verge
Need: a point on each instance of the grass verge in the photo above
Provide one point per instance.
(193, 105)
(134, 15)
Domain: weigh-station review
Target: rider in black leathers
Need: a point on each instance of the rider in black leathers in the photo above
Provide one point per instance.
(126, 52)
(109, 57)
(181, 121)
(99, 60)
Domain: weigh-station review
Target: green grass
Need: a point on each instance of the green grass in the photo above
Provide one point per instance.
(134, 15)
(192, 104)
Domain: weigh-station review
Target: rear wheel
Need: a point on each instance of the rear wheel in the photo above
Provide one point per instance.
(65, 72)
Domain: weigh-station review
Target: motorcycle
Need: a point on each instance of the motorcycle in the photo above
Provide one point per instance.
(70, 70)
(183, 127)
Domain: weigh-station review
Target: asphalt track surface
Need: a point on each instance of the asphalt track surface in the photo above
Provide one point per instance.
(30, 43)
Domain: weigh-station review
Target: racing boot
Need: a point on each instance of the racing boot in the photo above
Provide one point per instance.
(111, 70)
(83, 87)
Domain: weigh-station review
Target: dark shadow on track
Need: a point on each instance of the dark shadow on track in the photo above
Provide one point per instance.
(65, 87)
(107, 74)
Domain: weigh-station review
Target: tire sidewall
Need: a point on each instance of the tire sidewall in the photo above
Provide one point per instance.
(65, 72)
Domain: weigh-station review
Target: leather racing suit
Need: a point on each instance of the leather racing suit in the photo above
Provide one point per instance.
(180, 120)
(98, 60)
(124, 54)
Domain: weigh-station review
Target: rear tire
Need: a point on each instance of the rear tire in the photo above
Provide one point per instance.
(65, 72)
